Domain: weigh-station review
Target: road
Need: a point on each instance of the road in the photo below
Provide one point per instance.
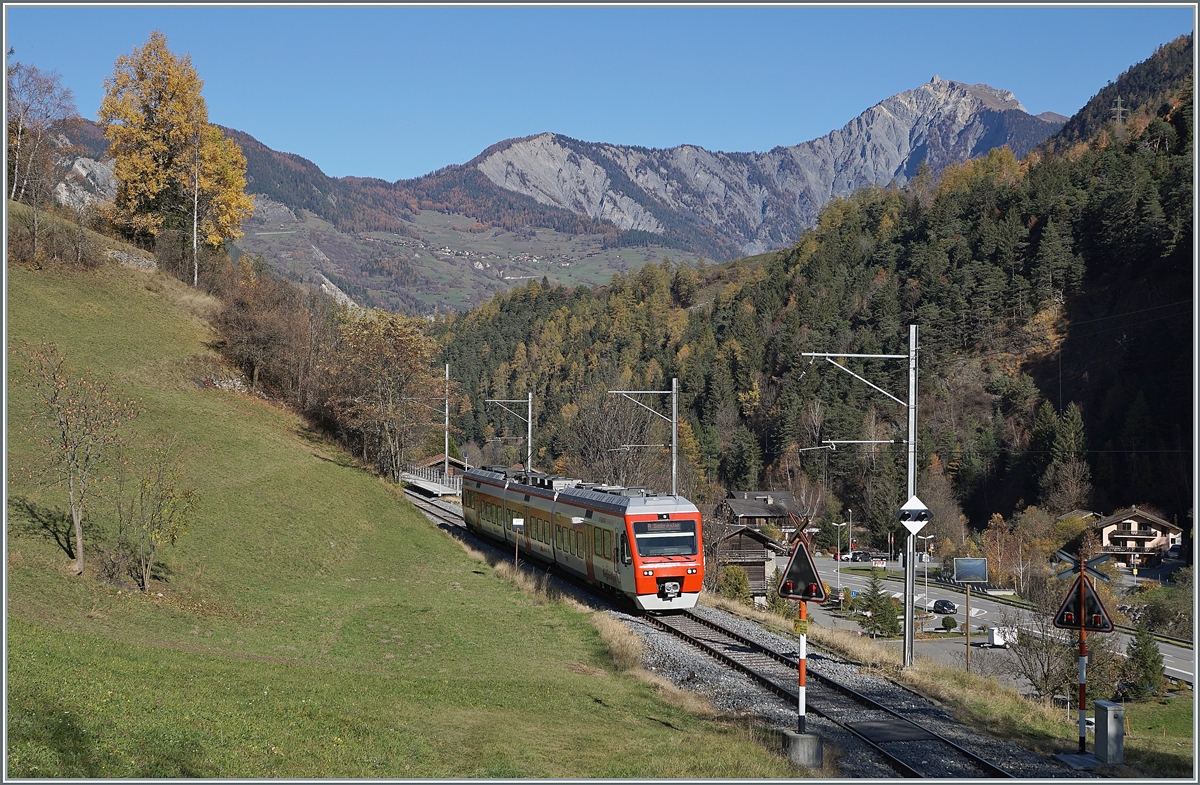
(1178, 661)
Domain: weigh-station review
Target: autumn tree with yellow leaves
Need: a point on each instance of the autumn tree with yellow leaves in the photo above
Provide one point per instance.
(174, 171)
(385, 386)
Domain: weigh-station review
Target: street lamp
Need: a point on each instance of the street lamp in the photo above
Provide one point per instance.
(838, 557)
(850, 512)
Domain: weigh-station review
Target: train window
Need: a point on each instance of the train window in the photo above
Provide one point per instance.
(665, 538)
(598, 542)
(626, 557)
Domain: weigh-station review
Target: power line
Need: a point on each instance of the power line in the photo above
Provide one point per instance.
(1130, 313)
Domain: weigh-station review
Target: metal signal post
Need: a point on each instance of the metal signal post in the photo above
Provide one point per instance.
(910, 571)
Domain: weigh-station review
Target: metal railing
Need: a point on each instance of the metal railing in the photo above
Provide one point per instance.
(1128, 531)
(453, 481)
(1129, 549)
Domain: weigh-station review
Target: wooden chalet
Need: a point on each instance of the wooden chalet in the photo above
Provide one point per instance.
(755, 509)
(755, 553)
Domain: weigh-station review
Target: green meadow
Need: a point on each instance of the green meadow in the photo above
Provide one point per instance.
(311, 623)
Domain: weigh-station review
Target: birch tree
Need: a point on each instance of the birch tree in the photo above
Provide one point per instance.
(35, 101)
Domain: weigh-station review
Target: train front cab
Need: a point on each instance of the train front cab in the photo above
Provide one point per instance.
(667, 559)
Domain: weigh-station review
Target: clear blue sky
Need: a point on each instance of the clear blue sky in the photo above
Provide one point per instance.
(398, 91)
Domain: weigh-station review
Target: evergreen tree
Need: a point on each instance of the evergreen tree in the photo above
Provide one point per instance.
(883, 609)
(745, 460)
(1144, 668)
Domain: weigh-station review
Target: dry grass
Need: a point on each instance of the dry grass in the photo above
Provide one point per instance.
(681, 698)
(623, 645)
(201, 306)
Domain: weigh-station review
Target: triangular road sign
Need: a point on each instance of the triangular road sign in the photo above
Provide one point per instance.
(1095, 618)
(800, 580)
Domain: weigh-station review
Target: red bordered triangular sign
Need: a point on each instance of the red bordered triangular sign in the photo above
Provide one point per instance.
(1095, 618)
(800, 580)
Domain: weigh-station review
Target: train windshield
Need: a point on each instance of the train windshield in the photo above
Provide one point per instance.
(665, 538)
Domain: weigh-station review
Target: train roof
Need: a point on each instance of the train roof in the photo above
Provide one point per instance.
(611, 498)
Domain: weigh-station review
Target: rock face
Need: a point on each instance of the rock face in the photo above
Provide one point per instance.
(87, 182)
(760, 201)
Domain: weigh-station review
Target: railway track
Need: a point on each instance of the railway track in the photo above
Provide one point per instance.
(908, 745)
(910, 748)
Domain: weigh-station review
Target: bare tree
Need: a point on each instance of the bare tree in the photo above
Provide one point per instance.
(946, 516)
(160, 511)
(1041, 652)
(600, 441)
(1067, 485)
(79, 419)
(35, 102)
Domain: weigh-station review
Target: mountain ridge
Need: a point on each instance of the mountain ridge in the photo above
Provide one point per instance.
(756, 202)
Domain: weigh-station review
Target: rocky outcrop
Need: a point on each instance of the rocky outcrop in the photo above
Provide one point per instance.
(87, 182)
(760, 201)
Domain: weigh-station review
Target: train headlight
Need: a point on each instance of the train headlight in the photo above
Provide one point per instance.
(647, 572)
(691, 571)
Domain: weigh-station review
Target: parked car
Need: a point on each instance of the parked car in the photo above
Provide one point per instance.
(845, 556)
(1173, 552)
(860, 556)
(944, 606)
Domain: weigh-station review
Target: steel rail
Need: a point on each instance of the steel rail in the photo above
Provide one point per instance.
(757, 649)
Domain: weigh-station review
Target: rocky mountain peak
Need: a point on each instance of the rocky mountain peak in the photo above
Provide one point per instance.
(756, 202)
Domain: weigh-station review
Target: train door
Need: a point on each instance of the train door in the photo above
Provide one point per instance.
(626, 576)
(589, 533)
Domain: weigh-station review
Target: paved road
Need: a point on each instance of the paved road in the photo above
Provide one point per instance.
(1178, 661)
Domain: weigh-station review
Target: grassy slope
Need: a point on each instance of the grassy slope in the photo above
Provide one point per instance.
(313, 624)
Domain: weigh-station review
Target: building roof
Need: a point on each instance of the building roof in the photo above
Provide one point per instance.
(438, 460)
(755, 534)
(775, 497)
(755, 508)
(1133, 513)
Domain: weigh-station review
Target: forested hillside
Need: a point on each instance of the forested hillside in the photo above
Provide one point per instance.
(1147, 85)
(1053, 302)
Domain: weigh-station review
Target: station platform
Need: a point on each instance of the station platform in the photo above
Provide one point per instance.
(428, 487)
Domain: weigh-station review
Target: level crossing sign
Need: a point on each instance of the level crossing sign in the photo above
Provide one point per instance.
(800, 580)
(1083, 613)
(1076, 565)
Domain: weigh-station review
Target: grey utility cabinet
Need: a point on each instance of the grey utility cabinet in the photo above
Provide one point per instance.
(1110, 732)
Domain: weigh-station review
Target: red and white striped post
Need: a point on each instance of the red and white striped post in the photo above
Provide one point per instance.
(802, 667)
(1083, 655)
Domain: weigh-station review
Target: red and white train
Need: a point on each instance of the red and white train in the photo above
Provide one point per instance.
(639, 543)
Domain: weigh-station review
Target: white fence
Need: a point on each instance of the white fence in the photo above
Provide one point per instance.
(435, 475)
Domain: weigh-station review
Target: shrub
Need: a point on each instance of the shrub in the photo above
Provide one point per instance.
(735, 584)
